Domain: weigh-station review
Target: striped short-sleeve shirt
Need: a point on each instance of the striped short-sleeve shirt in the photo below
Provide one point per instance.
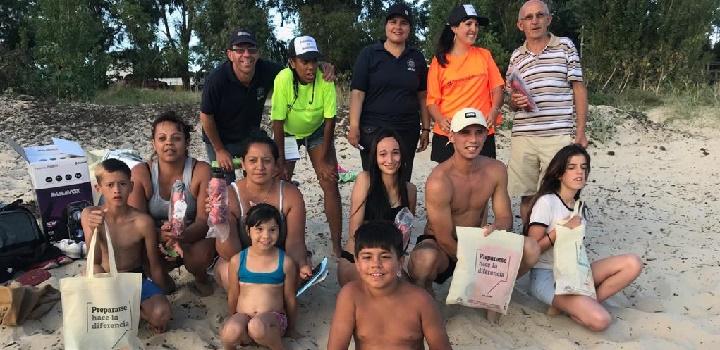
(549, 76)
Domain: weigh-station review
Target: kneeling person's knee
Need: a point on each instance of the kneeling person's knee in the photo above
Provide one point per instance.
(257, 328)
(598, 321)
(633, 264)
(157, 310)
(231, 331)
(200, 255)
(424, 260)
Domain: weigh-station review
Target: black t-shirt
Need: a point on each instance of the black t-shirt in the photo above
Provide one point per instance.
(236, 108)
(391, 86)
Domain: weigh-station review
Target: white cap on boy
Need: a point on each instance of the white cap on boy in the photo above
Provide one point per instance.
(466, 117)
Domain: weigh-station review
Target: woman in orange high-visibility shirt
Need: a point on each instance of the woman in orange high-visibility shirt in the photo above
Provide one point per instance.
(462, 75)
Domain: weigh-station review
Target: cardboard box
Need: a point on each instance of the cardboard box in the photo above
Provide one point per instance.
(61, 180)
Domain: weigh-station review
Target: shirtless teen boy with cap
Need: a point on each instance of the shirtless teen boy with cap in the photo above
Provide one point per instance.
(456, 193)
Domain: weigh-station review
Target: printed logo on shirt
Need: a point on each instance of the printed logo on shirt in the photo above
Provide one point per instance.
(411, 65)
(260, 93)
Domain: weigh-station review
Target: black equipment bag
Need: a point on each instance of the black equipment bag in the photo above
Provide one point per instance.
(22, 243)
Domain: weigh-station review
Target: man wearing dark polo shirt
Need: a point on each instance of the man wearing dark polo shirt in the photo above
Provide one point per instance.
(234, 96)
(388, 90)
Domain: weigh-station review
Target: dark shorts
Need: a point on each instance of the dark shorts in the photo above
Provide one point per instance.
(234, 149)
(313, 140)
(442, 150)
(443, 276)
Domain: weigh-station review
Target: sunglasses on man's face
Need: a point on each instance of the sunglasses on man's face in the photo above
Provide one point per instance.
(242, 50)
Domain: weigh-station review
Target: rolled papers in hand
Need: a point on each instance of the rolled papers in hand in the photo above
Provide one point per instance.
(518, 85)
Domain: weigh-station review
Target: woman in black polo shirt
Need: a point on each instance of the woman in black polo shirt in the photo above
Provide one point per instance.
(388, 90)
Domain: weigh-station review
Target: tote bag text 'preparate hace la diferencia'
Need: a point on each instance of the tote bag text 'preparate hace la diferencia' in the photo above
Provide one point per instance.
(486, 269)
(101, 310)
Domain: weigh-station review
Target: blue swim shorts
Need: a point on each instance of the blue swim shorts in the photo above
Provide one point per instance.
(149, 289)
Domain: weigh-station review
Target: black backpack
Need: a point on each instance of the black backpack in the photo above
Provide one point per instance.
(22, 243)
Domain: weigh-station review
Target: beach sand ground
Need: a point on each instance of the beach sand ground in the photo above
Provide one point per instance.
(652, 191)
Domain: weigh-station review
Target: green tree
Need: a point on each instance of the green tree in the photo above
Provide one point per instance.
(138, 26)
(341, 27)
(645, 44)
(216, 19)
(177, 25)
(14, 17)
(16, 41)
(70, 52)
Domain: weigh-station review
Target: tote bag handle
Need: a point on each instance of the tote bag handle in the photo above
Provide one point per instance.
(90, 262)
(577, 210)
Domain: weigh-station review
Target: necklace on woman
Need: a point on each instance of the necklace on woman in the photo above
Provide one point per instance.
(263, 198)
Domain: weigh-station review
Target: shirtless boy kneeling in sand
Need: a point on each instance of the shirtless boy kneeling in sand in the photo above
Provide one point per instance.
(456, 194)
(132, 233)
(381, 310)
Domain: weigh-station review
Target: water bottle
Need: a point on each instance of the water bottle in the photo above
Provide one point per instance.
(218, 225)
(404, 222)
(176, 216)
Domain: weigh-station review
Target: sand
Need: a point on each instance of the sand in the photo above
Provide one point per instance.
(652, 191)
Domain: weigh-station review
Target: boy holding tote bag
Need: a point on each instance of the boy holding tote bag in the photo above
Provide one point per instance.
(101, 309)
(457, 193)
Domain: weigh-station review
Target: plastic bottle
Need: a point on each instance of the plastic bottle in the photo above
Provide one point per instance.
(218, 224)
(176, 217)
(404, 222)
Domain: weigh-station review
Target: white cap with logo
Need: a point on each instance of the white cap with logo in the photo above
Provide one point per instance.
(466, 117)
(304, 47)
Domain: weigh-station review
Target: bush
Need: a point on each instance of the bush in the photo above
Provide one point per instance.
(631, 98)
(119, 95)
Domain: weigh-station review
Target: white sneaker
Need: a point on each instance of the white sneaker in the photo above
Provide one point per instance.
(71, 248)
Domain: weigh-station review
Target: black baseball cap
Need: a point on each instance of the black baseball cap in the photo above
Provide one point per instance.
(304, 47)
(399, 10)
(241, 36)
(462, 12)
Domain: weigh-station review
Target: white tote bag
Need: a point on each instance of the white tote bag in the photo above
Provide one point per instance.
(571, 267)
(101, 311)
(486, 269)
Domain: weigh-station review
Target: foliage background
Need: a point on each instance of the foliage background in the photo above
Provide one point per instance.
(63, 48)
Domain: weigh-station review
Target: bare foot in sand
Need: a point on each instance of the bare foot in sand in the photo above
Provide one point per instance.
(156, 330)
(553, 311)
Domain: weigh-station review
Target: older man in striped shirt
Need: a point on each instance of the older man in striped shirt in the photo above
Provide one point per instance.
(550, 68)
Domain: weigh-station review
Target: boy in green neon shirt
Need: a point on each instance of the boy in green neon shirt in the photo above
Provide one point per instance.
(304, 106)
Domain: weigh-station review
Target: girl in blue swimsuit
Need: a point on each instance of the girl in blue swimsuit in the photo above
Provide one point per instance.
(261, 291)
